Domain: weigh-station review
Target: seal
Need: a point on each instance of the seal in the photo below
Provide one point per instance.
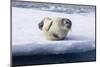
(55, 28)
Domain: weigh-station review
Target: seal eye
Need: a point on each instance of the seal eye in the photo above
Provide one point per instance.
(66, 22)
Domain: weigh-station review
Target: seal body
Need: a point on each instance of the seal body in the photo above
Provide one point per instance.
(55, 28)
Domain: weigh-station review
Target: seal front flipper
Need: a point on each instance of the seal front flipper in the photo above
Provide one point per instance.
(49, 25)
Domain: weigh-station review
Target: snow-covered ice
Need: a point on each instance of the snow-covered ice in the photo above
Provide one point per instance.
(28, 39)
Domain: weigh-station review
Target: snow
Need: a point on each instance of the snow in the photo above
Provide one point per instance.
(28, 39)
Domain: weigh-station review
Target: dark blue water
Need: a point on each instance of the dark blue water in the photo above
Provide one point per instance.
(54, 7)
(54, 58)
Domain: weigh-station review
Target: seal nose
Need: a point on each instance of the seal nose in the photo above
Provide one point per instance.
(40, 25)
(69, 26)
(68, 23)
